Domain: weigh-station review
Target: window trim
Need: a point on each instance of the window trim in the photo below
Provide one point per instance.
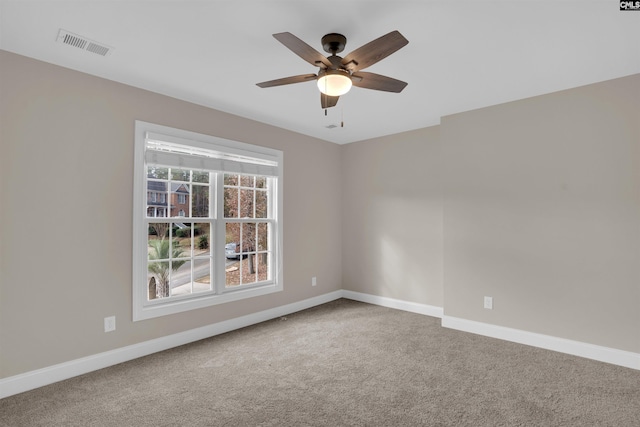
(141, 309)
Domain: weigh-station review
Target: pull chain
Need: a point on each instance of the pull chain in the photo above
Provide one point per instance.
(326, 97)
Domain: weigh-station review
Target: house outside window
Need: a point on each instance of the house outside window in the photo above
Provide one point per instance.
(221, 193)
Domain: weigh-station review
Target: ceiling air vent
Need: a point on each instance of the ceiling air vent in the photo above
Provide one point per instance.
(83, 43)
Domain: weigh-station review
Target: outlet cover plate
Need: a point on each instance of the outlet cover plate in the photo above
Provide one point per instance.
(110, 323)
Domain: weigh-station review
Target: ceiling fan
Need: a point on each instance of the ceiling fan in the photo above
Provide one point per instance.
(336, 74)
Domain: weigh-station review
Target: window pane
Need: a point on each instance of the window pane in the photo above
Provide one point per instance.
(232, 274)
(248, 237)
(156, 199)
(201, 275)
(263, 266)
(156, 172)
(152, 285)
(180, 174)
(231, 203)
(158, 275)
(261, 182)
(179, 199)
(200, 176)
(201, 248)
(246, 180)
(230, 179)
(263, 237)
(202, 239)
(261, 204)
(180, 277)
(181, 240)
(246, 203)
(232, 233)
(157, 232)
(200, 201)
(249, 269)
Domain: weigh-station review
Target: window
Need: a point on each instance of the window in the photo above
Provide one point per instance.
(218, 236)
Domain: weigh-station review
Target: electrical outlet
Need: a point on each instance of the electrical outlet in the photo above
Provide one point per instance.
(110, 323)
(313, 281)
(488, 303)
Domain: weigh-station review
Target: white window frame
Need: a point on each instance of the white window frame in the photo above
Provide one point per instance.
(142, 307)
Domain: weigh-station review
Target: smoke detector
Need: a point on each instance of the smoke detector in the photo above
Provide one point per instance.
(71, 39)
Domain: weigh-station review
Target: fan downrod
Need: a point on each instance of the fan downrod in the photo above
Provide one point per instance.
(334, 43)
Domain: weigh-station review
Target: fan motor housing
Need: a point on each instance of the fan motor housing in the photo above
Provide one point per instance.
(334, 43)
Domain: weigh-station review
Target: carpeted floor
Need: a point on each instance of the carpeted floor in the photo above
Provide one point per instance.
(344, 363)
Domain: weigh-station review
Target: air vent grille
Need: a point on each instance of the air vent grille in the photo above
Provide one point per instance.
(83, 43)
(74, 41)
(99, 49)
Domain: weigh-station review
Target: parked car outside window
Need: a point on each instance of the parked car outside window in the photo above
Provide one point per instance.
(232, 250)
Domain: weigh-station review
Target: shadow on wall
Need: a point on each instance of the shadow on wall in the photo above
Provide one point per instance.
(407, 261)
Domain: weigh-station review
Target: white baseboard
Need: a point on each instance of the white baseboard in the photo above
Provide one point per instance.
(413, 307)
(576, 348)
(41, 377)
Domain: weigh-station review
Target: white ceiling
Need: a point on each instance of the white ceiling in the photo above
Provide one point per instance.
(461, 55)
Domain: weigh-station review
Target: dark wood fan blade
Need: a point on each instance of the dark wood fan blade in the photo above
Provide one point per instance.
(374, 51)
(328, 101)
(377, 82)
(288, 80)
(303, 50)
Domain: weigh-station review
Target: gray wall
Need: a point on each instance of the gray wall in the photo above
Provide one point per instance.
(542, 212)
(535, 203)
(392, 216)
(66, 204)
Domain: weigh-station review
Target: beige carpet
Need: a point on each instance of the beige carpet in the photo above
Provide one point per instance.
(344, 363)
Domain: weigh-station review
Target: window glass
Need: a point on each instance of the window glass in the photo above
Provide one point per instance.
(261, 204)
(180, 174)
(230, 202)
(246, 203)
(199, 176)
(200, 201)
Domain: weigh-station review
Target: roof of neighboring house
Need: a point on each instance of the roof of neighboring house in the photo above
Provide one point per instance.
(156, 186)
(176, 187)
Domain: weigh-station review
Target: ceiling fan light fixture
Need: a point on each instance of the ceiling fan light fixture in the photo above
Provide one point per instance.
(337, 74)
(335, 82)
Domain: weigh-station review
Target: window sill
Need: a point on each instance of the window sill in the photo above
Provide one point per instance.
(174, 306)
